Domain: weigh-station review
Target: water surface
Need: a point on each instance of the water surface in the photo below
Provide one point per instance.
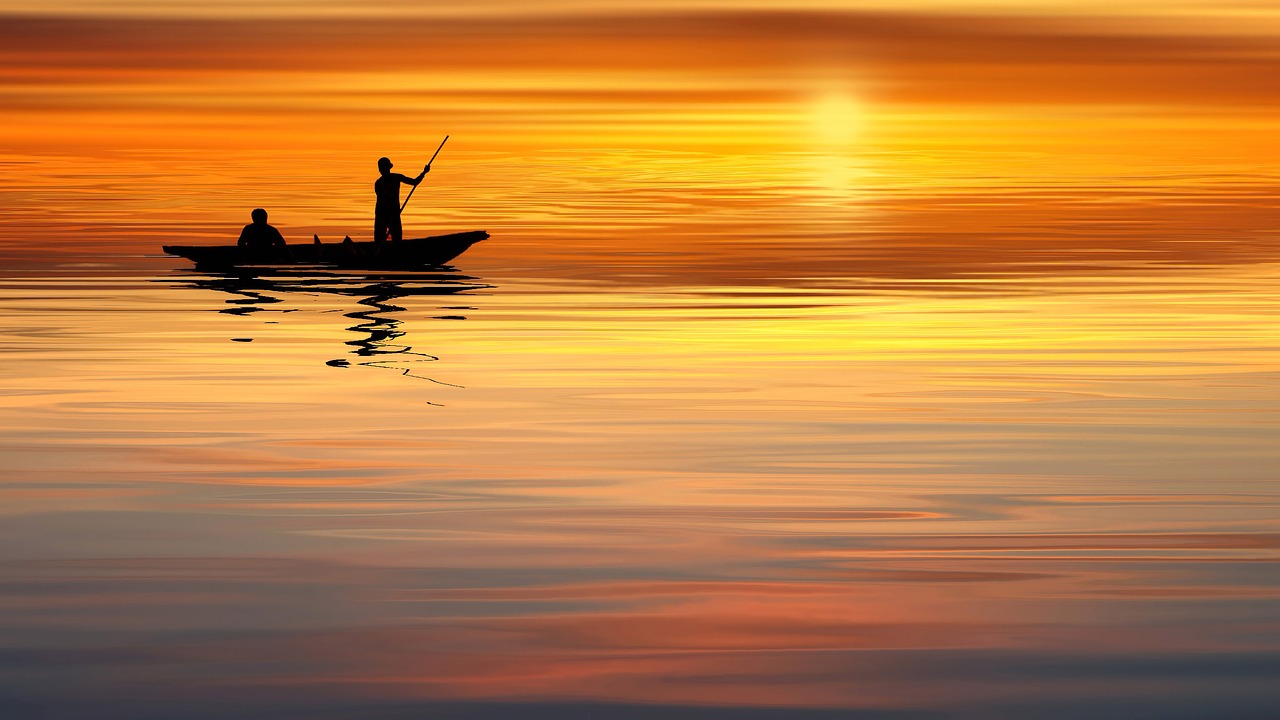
(477, 492)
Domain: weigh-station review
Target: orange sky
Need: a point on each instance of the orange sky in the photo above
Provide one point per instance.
(729, 74)
(836, 98)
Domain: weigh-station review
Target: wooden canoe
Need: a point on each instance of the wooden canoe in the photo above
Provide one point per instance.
(412, 254)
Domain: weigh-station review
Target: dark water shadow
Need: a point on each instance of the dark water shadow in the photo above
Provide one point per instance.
(380, 340)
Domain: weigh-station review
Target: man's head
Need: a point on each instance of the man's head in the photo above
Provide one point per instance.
(259, 215)
(384, 165)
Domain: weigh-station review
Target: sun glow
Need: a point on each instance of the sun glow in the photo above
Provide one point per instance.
(836, 123)
(836, 120)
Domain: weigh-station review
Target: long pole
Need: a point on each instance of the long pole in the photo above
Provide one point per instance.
(433, 159)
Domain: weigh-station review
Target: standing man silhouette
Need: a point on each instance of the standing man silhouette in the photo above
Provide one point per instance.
(386, 214)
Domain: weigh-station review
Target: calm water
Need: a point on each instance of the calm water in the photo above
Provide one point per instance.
(1007, 455)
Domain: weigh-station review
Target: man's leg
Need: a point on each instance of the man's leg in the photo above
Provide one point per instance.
(379, 229)
(397, 232)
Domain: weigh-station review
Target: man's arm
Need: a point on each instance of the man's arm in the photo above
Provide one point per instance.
(244, 236)
(414, 181)
(276, 238)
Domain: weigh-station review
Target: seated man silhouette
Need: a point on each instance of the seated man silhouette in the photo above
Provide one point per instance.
(260, 237)
(386, 214)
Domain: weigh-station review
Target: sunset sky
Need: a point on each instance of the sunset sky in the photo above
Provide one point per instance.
(169, 110)
(726, 75)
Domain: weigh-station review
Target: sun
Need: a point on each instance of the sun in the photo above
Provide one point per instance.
(836, 119)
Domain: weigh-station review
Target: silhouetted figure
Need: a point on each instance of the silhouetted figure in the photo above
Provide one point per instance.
(386, 214)
(260, 237)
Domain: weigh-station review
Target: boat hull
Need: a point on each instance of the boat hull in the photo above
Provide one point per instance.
(404, 255)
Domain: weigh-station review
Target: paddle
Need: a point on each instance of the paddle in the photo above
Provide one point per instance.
(433, 159)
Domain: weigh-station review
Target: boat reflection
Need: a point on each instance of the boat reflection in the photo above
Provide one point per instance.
(379, 332)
